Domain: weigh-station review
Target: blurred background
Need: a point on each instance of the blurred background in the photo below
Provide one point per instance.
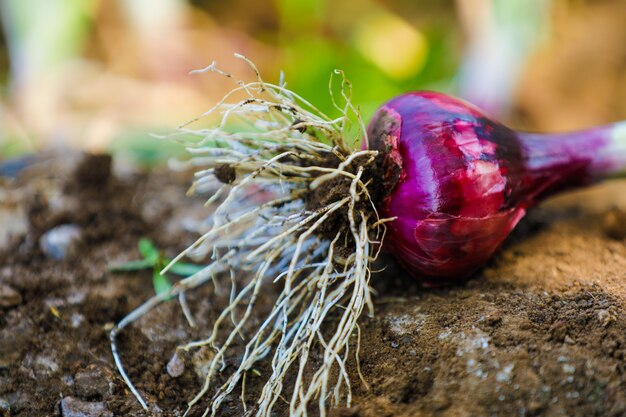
(101, 75)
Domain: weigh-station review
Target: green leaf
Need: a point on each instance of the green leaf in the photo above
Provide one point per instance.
(148, 251)
(132, 266)
(160, 282)
(185, 269)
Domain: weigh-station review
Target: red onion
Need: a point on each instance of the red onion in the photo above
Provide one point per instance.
(293, 205)
(460, 182)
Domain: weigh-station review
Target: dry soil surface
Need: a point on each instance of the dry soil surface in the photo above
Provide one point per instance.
(541, 331)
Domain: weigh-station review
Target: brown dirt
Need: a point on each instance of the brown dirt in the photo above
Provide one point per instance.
(338, 188)
(226, 174)
(540, 331)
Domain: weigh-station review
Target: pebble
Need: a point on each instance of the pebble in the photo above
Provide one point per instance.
(9, 297)
(72, 407)
(76, 320)
(5, 408)
(569, 340)
(175, 366)
(45, 365)
(605, 317)
(60, 242)
(93, 382)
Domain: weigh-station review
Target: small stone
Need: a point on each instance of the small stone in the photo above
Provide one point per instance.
(72, 407)
(201, 361)
(569, 340)
(175, 366)
(5, 408)
(60, 242)
(605, 317)
(93, 382)
(77, 319)
(9, 297)
(46, 364)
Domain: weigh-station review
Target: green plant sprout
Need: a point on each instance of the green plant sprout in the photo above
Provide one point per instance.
(152, 258)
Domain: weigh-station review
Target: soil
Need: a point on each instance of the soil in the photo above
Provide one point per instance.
(541, 331)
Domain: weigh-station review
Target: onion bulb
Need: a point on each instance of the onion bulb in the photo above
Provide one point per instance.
(458, 182)
(296, 204)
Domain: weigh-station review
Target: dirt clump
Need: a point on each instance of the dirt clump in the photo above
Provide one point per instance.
(226, 173)
(338, 188)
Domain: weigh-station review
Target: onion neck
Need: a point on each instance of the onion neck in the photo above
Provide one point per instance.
(555, 162)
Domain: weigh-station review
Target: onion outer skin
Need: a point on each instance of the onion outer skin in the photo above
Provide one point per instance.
(458, 182)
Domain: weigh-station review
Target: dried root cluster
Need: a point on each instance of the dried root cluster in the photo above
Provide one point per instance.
(283, 172)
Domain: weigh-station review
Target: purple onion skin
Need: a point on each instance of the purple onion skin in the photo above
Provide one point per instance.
(460, 182)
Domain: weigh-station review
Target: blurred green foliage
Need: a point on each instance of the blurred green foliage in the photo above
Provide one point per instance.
(11, 147)
(384, 47)
(315, 37)
(313, 42)
(29, 23)
(143, 149)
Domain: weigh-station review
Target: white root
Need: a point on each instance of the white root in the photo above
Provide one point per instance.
(264, 233)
